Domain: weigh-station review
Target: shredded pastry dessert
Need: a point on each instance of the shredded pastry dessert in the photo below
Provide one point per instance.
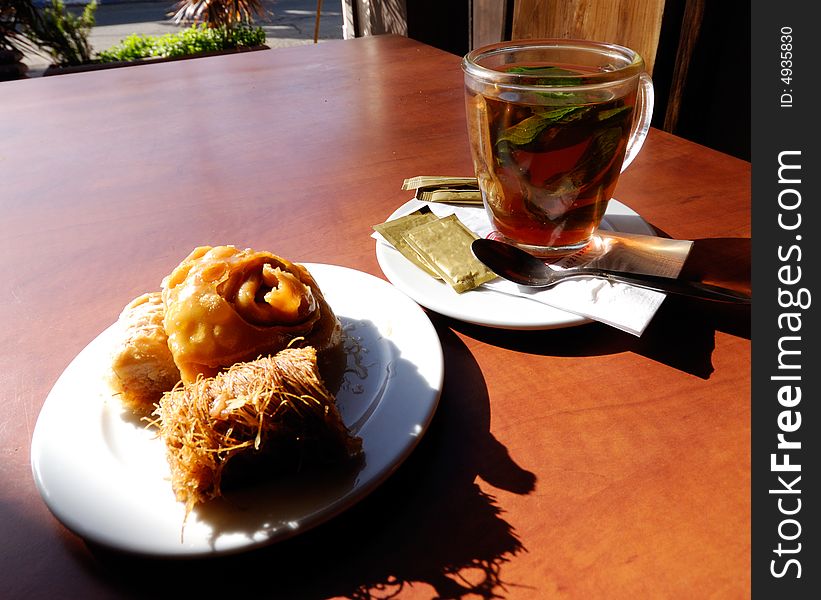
(274, 402)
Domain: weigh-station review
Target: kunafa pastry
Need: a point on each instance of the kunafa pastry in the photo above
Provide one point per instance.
(277, 401)
(224, 305)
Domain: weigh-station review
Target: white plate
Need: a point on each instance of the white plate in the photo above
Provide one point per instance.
(106, 478)
(486, 307)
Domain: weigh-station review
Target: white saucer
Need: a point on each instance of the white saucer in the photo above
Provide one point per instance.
(486, 307)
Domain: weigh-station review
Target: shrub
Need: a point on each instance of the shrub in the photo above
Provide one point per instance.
(64, 35)
(196, 39)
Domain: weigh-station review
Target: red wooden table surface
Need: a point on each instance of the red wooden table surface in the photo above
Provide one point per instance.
(578, 463)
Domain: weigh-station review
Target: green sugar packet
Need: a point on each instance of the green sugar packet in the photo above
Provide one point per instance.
(445, 245)
(393, 231)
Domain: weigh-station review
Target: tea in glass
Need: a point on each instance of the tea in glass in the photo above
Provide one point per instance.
(552, 123)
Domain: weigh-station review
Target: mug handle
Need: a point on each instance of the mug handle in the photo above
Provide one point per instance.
(641, 124)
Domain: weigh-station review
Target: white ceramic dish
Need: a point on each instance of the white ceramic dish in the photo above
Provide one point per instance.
(104, 475)
(486, 307)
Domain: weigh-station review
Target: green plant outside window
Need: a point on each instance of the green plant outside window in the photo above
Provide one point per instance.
(194, 40)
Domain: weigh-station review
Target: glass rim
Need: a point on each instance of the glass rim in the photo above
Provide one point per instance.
(633, 67)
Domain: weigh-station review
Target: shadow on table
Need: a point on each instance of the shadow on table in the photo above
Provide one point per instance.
(681, 335)
(429, 523)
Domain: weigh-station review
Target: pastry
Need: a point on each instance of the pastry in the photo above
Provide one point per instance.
(276, 402)
(142, 367)
(224, 305)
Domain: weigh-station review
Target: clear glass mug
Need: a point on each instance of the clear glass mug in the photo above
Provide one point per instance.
(552, 123)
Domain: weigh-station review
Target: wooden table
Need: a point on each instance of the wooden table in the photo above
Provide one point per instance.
(578, 463)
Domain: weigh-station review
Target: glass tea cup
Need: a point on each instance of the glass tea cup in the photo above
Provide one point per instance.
(552, 123)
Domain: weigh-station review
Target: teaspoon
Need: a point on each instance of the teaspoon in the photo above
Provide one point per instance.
(518, 266)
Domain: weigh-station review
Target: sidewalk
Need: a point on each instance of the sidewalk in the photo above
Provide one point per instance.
(289, 23)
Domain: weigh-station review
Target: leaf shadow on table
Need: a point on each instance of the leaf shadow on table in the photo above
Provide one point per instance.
(682, 333)
(429, 524)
